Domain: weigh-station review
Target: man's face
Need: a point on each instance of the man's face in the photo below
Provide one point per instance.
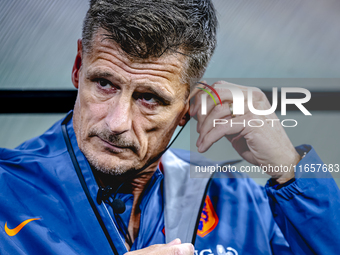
(126, 110)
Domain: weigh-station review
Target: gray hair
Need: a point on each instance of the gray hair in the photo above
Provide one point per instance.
(151, 28)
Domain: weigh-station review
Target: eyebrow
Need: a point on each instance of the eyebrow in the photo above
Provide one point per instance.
(102, 74)
(152, 88)
(158, 92)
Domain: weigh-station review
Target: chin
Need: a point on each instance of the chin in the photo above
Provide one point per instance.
(104, 161)
(112, 168)
(109, 164)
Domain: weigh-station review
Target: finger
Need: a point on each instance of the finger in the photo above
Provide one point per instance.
(174, 242)
(196, 112)
(244, 88)
(181, 249)
(220, 130)
(226, 97)
(258, 97)
(200, 117)
(195, 105)
(210, 104)
(173, 248)
(206, 90)
(148, 250)
(193, 97)
(218, 112)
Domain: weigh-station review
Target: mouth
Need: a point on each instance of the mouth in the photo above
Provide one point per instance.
(113, 147)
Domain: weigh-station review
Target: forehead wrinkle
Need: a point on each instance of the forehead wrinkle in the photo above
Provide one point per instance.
(131, 71)
(156, 64)
(101, 71)
(106, 45)
(140, 68)
(127, 78)
(168, 66)
(108, 71)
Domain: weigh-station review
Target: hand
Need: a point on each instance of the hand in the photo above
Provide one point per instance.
(266, 145)
(173, 248)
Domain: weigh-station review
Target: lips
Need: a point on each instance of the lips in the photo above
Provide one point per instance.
(113, 145)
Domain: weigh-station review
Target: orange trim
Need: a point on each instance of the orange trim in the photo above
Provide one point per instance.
(212, 218)
(16, 230)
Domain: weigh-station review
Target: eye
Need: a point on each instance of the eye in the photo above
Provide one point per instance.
(104, 83)
(149, 98)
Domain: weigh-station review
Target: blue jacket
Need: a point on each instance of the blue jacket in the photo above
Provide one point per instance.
(42, 182)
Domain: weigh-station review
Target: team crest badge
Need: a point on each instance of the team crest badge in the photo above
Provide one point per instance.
(209, 219)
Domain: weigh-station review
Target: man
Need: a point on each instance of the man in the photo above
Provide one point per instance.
(100, 181)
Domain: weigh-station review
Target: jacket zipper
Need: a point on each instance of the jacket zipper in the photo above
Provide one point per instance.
(200, 211)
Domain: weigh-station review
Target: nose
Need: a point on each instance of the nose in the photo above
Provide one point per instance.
(119, 117)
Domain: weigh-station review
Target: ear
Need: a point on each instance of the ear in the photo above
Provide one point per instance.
(77, 65)
(186, 117)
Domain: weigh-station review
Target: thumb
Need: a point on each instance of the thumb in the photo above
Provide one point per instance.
(174, 242)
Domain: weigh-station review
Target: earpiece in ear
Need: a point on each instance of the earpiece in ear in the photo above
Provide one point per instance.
(185, 119)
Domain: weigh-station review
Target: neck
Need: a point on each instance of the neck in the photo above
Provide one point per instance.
(133, 184)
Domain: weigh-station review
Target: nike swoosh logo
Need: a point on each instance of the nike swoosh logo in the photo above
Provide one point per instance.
(16, 230)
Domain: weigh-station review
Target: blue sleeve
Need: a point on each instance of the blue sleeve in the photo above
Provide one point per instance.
(308, 209)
